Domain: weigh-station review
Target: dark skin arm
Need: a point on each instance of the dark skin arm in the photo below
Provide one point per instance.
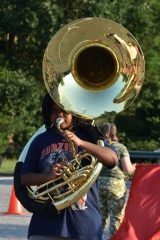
(104, 154)
(32, 179)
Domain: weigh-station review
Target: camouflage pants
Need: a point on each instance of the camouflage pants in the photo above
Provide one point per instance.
(112, 192)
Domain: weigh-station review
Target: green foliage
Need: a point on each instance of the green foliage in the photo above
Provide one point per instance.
(20, 109)
(25, 30)
(145, 145)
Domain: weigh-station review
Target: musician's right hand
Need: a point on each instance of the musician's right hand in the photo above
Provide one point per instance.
(57, 169)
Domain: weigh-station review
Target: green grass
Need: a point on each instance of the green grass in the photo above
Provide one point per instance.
(7, 166)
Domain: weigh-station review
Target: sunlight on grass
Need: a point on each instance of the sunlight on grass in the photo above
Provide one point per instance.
(7, 166)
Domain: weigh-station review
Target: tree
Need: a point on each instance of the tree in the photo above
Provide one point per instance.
(20, 110)
(25, 30)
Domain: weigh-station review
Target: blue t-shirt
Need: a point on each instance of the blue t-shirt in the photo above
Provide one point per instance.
(82, 220)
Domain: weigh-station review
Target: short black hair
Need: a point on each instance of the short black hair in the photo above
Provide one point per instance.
(47, 106)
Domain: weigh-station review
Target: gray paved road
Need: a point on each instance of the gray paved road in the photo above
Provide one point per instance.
(13, 227)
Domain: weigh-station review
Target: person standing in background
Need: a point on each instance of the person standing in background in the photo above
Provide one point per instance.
(112, 182)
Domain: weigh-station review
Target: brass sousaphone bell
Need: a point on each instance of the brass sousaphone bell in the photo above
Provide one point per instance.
(91, 66)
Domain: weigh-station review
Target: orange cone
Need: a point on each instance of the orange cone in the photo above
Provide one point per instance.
(15, 206)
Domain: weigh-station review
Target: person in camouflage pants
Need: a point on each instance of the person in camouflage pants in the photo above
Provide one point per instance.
(112, 183)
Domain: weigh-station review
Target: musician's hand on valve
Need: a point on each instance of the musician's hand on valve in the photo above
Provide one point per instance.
(57, 169)
(72, 137)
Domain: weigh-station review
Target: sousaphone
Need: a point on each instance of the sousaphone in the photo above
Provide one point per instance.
(91, 66)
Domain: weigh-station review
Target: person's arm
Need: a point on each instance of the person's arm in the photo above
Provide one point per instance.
(127, 165)
(32, 179)
(104, 154)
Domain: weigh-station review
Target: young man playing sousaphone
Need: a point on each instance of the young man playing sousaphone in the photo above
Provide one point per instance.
(81, 220)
